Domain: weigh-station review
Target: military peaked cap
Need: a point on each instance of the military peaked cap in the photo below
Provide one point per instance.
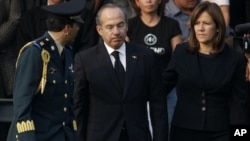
(70, 9)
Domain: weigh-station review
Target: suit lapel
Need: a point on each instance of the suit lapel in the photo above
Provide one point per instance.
(68, 61)
(108, 69)
(131, 60)
(197, 70)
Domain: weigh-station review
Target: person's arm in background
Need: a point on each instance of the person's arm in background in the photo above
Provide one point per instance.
(248, 67)
(176, 39)
(224, 6)
(225, 12)
(247, 55)
(226, 15)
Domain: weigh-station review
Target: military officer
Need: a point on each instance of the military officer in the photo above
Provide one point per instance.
(43, 105)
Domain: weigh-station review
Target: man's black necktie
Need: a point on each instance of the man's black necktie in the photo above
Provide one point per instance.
(119, 69)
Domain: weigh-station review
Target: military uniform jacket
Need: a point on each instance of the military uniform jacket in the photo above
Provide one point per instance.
(48, 116)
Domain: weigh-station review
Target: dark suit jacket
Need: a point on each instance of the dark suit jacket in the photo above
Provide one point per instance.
(48, 116)
(207, 107)
(101, 106)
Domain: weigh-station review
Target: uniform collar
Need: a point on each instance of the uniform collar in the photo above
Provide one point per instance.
(58, 45)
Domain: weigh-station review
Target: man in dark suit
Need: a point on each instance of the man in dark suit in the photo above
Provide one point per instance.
(107, 107)
(43, 88)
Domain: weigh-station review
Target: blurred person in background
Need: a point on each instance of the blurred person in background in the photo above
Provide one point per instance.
(151, 29)
(224, 6)
(181, 11)
(10, 13)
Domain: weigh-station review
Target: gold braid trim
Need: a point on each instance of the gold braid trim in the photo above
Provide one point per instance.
(21, 51)
(25, 126)
(45, 57)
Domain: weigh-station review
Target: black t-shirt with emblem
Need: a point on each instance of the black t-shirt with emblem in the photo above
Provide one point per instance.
(157, 38)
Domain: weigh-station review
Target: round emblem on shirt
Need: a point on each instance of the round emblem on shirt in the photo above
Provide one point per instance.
(150, 39)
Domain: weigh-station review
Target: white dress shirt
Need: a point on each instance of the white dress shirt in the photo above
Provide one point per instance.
(122, 54)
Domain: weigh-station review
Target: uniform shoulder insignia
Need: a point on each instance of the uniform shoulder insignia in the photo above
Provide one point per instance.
(41, 42)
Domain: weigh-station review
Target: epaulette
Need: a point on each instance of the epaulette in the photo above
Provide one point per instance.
(40, 43)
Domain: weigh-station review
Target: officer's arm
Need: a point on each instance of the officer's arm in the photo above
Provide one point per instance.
(27, 78)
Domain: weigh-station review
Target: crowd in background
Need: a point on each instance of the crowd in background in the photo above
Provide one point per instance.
(22, 21)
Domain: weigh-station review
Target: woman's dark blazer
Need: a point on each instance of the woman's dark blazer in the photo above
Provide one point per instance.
(212, 107)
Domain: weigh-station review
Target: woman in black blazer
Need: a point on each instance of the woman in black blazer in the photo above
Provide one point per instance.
(209, 78)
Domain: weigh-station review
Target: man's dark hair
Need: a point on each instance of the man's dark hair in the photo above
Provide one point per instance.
(57, 23)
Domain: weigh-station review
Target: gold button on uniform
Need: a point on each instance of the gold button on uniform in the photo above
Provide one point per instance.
(54, 81)
(65, 109)
(52, 47)
(203, 108)
(65, 95)
(66, 81)
(63, 123)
